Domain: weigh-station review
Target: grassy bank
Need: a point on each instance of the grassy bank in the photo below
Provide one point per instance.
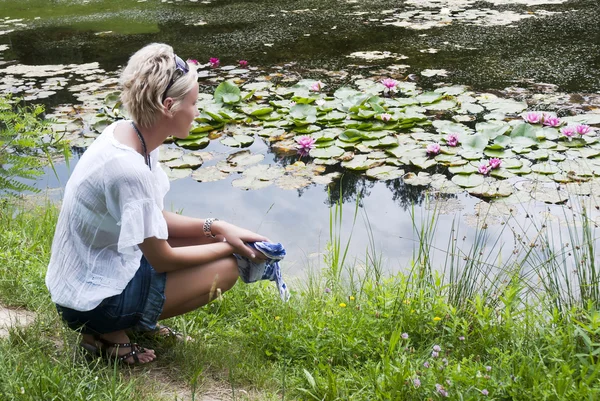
(460, 331)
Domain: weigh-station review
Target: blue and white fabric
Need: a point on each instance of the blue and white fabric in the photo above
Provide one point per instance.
(251, 271)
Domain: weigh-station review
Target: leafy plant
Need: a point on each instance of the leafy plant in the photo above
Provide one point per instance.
(25, 141)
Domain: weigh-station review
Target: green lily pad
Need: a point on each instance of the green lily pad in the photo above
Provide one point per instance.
(177, 173)
(327, 153)
(502, 173)
(492, 129)
(238, 140)
(361, 162)
(244, 158)
(498, 153)
(506, 106)
(385, 173)
(493, 189)
(423, 162)
(428, 97)
(194, 143)
(167, 154)
(449, 127)
(464, 169)
(186, 161)
(540, 154)
(468, 180)
(326, 179)
(471, 155)
(227, 92)
(475, 143)
(545, 168)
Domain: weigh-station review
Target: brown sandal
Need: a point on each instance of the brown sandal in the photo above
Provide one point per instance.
(135, 350)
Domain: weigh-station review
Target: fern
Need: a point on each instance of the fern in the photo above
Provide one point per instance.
(25, 141)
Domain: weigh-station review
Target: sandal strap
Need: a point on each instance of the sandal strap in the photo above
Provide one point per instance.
(134, 353)
(136, 349)
(110, 344)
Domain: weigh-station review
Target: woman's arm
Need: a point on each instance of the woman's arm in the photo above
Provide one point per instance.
(184, 226)
(165, 258)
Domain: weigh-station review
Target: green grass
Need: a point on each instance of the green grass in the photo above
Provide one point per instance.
(340, 337)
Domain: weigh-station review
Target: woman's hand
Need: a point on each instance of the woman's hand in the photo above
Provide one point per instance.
(236, 237)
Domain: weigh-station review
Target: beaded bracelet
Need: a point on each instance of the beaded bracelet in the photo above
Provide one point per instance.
(206, 228)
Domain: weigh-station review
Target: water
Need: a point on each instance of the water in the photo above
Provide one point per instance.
(560, 45)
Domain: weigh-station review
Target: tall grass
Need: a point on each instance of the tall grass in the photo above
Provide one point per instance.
(352, 332)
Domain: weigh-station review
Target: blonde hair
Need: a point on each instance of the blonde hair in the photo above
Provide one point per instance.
(145, 78)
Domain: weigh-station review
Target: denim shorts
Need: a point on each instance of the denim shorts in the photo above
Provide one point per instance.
(137, 307)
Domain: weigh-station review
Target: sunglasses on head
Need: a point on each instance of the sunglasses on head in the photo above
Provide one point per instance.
(183, 69)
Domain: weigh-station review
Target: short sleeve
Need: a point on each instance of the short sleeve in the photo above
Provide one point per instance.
(133, 200)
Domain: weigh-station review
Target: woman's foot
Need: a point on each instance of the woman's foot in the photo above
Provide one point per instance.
(116, 345)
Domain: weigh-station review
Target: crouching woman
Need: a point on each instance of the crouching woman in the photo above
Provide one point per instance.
(119, 261)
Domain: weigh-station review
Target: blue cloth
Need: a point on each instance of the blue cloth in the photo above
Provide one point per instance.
(251, 271)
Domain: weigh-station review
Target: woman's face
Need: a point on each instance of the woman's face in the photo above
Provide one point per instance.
(184, 116)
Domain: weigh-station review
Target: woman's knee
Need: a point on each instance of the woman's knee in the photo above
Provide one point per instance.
(229, 273)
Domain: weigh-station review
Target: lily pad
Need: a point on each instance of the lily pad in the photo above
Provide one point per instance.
(194, 143)
(292, 182)
(244, 158)
(420, 179)
(468, 180)
(385, 173)
(186, 161)
(209, 174)
(493, 190)
(545, 168)
(227, 92)
(167, 154)
(361, 162)
(177, 173)
(238, 140)
(326, 179)
(327, 153)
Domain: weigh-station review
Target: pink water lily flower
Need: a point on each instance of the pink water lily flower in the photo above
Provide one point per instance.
(533, 117)
(582, 129)
(495, 163)
(452, 140)
(192, 61)
(551, 121)
(243, 63)
(317, 86)
(484, 169)
(390, 84)
(305, 144)
(568, 131)
(433, 149)
(214, 62)
(385, 117)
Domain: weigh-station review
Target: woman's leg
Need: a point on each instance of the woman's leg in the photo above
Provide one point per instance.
(189, 289)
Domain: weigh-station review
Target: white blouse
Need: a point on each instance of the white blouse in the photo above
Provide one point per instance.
(112, 202)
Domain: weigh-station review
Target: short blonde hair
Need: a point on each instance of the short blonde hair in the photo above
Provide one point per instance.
(145, 79)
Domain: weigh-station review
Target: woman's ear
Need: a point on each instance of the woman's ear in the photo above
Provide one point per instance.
(168, 104)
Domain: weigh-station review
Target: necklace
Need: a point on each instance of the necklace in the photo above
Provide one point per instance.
(144, 149)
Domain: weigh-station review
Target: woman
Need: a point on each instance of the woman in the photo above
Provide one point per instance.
(119, 261)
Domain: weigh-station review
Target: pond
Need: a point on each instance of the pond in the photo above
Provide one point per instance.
(540, 51)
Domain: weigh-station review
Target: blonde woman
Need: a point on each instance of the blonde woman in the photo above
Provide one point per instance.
(119, 261)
